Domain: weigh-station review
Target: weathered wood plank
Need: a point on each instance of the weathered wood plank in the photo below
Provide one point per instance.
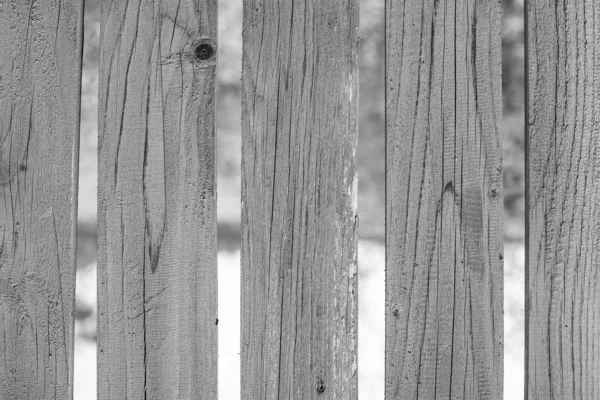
(444, 327)
(563, 200)
(299, 134)
(40, 86)
(157, 276)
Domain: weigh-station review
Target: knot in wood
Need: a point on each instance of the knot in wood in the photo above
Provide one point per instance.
(204, 51)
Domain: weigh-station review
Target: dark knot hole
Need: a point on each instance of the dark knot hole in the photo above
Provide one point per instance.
(204, 51)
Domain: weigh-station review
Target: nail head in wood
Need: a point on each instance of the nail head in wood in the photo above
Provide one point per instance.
(320, 386)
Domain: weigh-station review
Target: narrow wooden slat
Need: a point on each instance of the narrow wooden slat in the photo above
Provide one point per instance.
(40, 87)
(299, 136)
(563, 200)
(157, 276)
(444, 328)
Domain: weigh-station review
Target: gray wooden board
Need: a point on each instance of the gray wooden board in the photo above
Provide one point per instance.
(299, 137)
(562, 306)
(157, 273)
(40, 86)
(444, 251)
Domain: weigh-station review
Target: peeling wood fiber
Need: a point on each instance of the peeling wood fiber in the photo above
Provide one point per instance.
(562, 313)
(299, 137)
(444, 274)
(40, 87)
(157, 276)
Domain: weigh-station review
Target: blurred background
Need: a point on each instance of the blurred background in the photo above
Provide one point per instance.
(371, 200)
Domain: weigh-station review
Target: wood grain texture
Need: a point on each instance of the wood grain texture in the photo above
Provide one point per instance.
(40, 87)
(299, 136)
(444, 275)
(563, 200)
(157, 274)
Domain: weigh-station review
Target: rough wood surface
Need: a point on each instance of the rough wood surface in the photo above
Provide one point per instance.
(157, 276)
(299, 134)
(40, 86)
(563, 200)
(444, 328)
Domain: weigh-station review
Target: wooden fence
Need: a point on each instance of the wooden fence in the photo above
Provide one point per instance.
(157, 271)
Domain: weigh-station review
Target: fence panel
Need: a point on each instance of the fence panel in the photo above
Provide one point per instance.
(299, 134)
(444, 275)
(563, 200)
(157, 276)
(40, 87)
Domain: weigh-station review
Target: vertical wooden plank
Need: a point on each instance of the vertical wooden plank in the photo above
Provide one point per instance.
(157, 276)
(299, 134)
(40, 87)
(563, 200)
(444, 328)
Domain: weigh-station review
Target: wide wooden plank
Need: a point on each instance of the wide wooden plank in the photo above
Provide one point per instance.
(157, 276)
(444, 328)
(40, 86)
(299, 134)
(563, 200)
